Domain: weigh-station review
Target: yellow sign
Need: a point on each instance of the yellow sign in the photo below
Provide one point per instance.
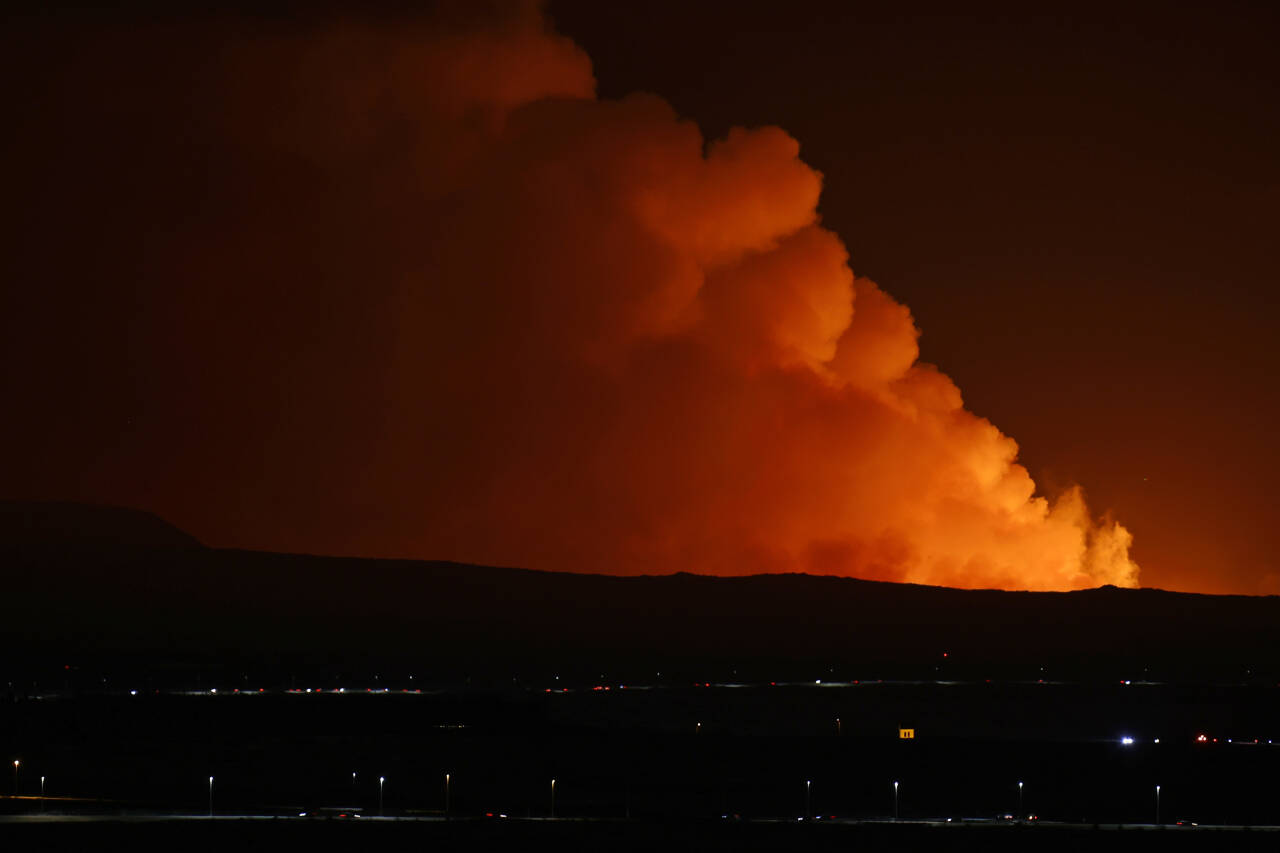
(906, 734)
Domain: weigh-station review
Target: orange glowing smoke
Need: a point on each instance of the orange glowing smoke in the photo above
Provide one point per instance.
(443, 302)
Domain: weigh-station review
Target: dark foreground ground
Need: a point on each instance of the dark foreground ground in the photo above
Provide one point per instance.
(657, 753)
(228, 833)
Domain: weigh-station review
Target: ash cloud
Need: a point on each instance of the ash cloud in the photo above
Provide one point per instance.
(413, 290)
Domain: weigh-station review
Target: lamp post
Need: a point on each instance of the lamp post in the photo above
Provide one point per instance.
(446, 796)
(16, 762)
(553, 797)
(838, 732)
(210, 796)
(808, 810)
(41, 793)
(895, 800)
(1157, 805)
(1019, 801)
(353, 783)
(381, 782)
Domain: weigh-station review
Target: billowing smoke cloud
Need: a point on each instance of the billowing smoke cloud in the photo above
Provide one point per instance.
(413, 290)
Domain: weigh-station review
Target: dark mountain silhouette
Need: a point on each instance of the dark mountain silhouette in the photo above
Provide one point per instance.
(109, 585)
(64, 526)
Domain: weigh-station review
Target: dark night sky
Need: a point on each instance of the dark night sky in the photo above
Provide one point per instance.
(1077, 203)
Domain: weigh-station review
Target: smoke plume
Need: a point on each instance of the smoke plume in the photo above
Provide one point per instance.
(414, 290)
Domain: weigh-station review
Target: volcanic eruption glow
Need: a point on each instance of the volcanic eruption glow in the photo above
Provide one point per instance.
(455, 306)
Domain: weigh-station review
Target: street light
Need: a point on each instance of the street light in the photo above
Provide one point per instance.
(446, 796)
(1019, 801)
(210, 796)
(381, 781)
(16, 762)
(895, 800)
(1157, 805)
(553, 797)
(808, 811)
(353, 782)
(41, 793)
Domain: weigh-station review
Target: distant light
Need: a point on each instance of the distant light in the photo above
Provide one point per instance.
(1127, 741)
(1202, 738)
(1157, 740)
(213, 690)
(133, 693)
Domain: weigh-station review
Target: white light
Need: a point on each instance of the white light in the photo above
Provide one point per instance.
(1127, 741)
(133, 693)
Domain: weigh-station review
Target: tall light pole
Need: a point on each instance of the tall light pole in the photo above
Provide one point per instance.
(41, 793)
(16, 762)
(1157, 805)
(353, 783)
(553, 797)
(381, 781)
(210, 796)
(1019, 801)
(838, 727)
(446, 796)
(895, 800)
(808, 811)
